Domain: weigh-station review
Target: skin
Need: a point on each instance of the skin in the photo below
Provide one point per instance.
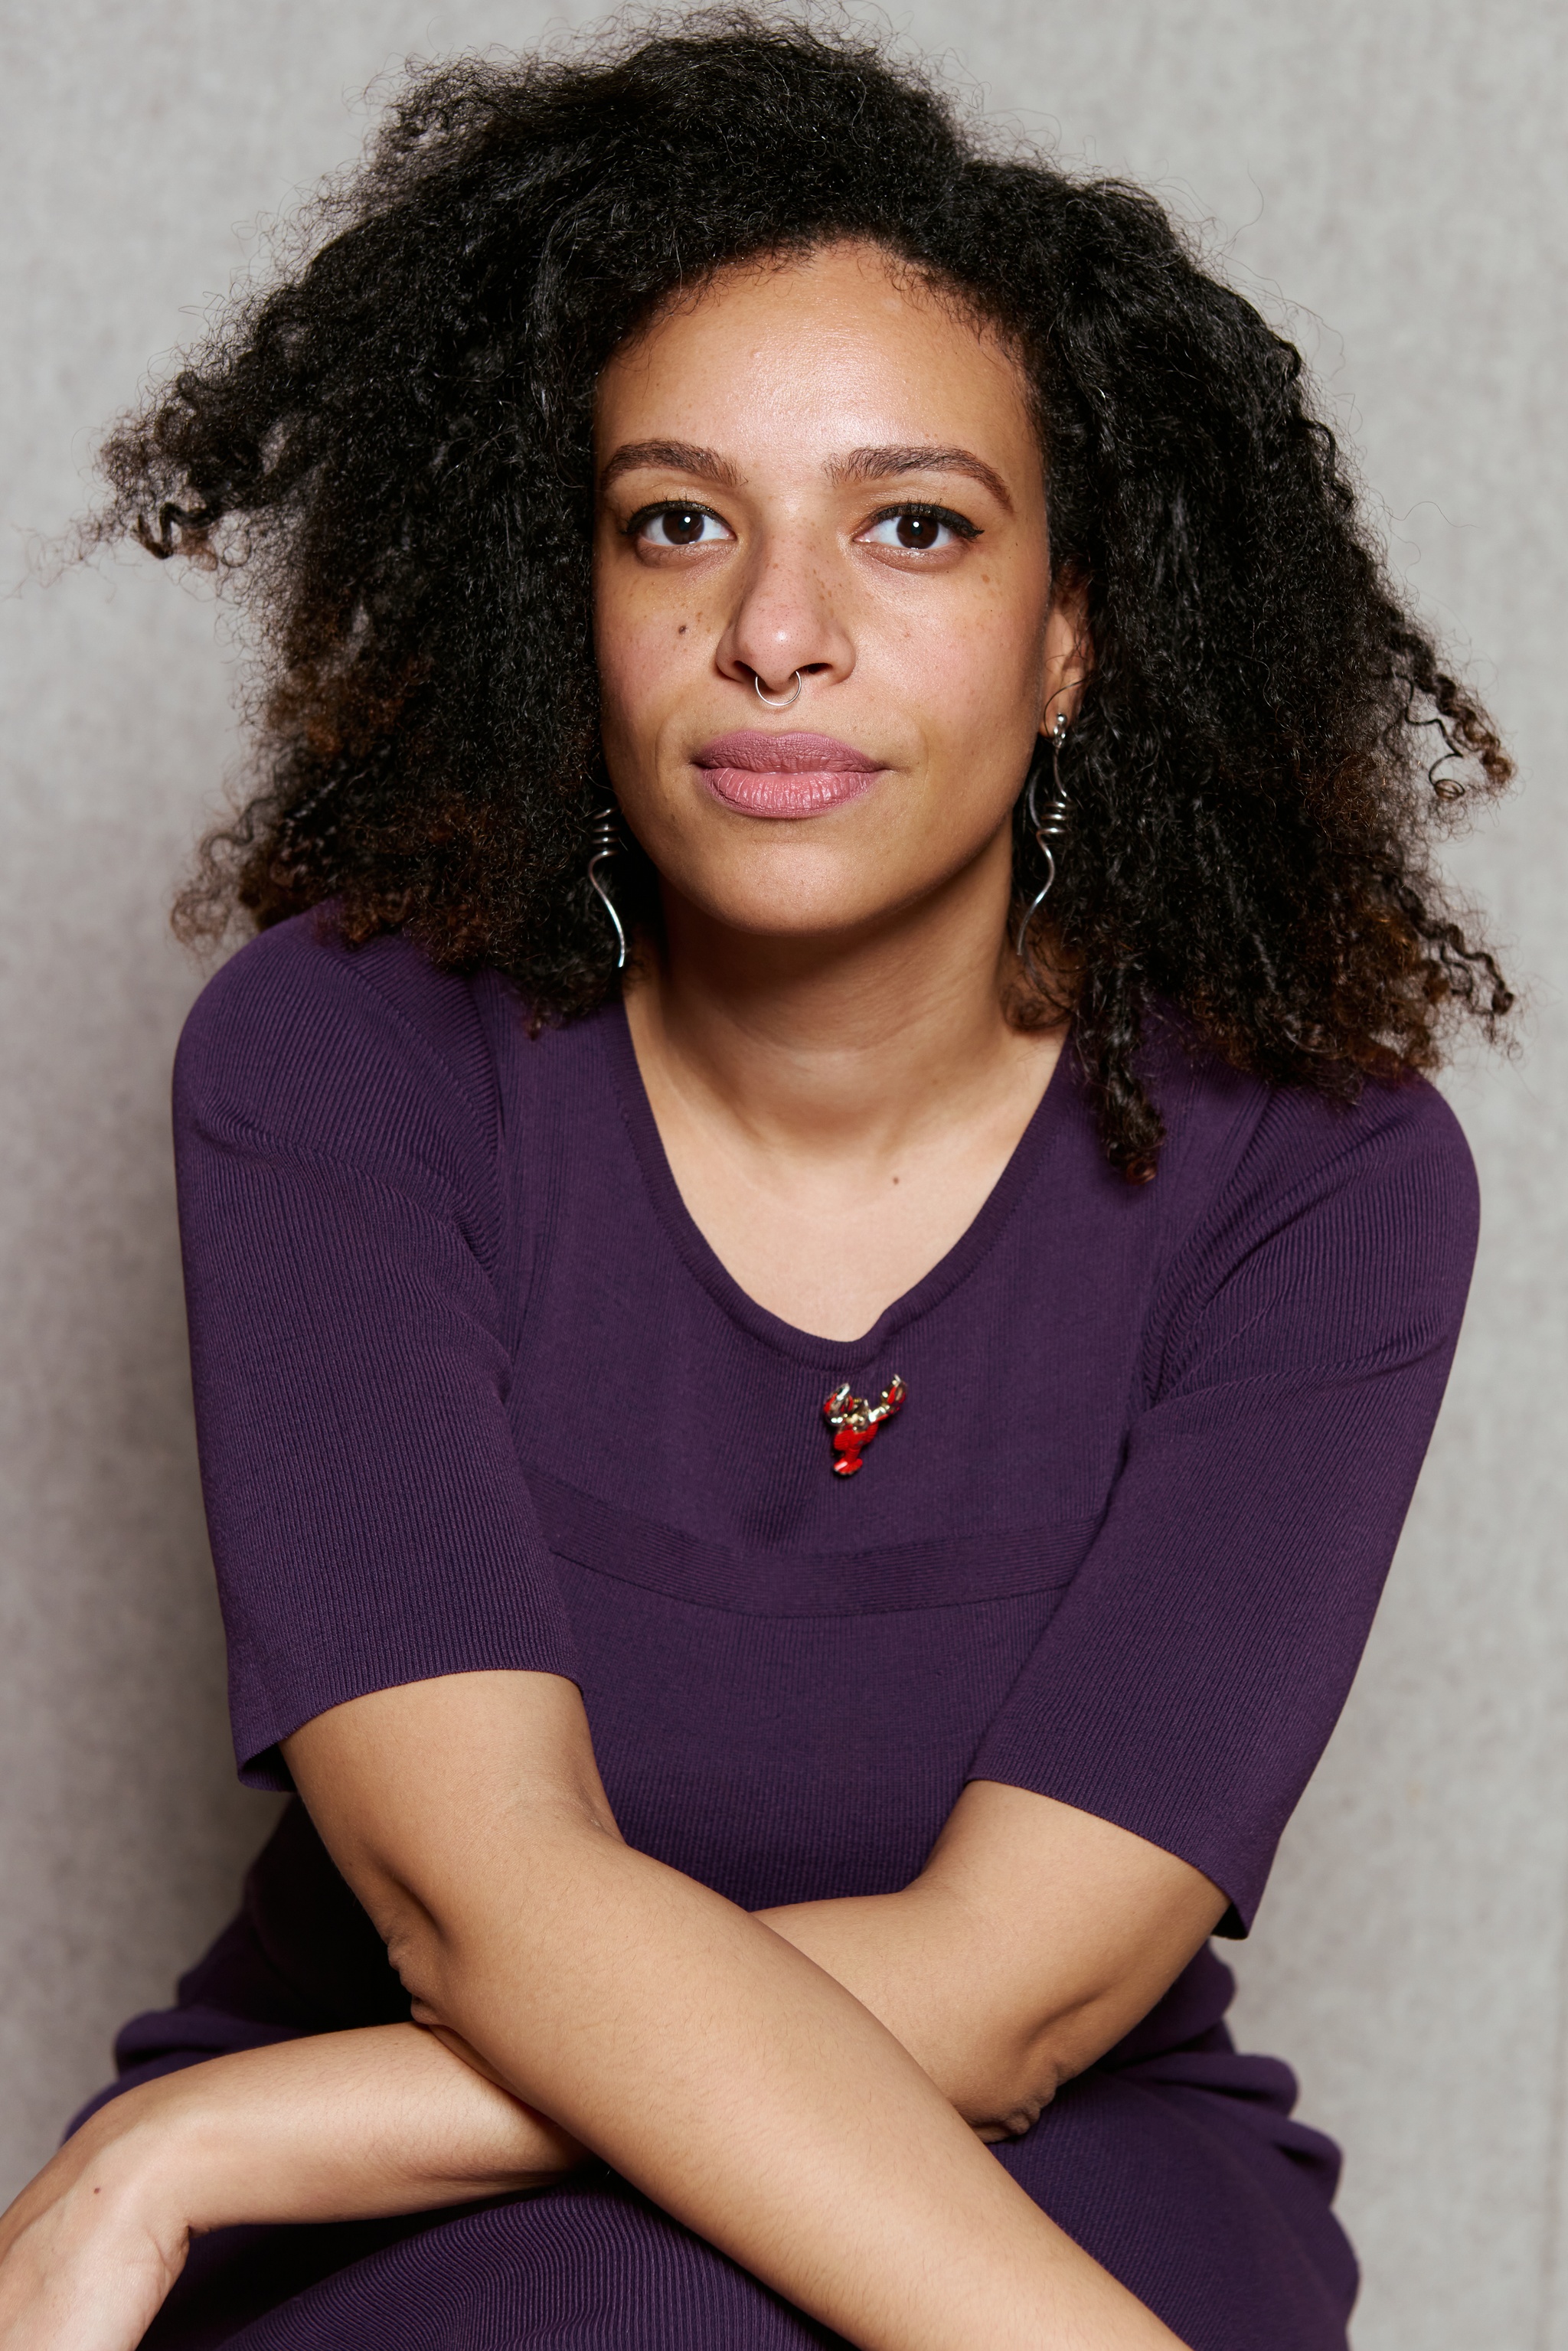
(828, 1021)
(809, 2088)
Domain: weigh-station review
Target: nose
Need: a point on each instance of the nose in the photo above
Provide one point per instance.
(786, 618)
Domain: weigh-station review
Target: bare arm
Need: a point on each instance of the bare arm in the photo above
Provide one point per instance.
(1035, 1937)
(335, 2127)
(710, 2060)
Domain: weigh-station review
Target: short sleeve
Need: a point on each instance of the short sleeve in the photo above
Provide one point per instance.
(1296, 1359)
(336, 1143)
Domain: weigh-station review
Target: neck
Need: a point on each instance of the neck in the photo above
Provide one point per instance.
(852, 1045)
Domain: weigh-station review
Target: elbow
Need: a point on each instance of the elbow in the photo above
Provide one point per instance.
(435, 1930)
(421, 1948)
(453, 1955)
(1016, 2121)
(457, 1928)
(1002, 2093)
(414, 1964)
(1008, 2110)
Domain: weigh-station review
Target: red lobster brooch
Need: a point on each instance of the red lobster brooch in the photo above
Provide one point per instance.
(855, 1422)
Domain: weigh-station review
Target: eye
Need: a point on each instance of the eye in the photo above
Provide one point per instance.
(676, 524)
(917, 527)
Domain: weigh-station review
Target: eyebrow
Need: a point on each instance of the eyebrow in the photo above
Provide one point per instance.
(671, 457)
(861, 464)
(880, 465)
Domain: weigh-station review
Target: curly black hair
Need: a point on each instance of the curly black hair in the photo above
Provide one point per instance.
(389, 449)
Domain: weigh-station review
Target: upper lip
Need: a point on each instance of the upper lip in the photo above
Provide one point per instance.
(787, 755)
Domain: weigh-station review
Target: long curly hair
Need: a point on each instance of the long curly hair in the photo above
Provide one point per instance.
(389, 450)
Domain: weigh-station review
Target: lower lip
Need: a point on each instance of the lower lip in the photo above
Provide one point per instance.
(772, 792)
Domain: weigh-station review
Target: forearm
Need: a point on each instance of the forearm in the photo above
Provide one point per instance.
(920, 1966)
(347, 2125)
(713, 2064)
(342, 2126)
(332, 2126)
(1033, 1939)
(756, 2100)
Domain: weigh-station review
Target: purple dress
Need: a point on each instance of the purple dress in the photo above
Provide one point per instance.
(473, 1392)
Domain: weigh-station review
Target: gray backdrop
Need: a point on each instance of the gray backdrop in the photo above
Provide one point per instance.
(1394, 170)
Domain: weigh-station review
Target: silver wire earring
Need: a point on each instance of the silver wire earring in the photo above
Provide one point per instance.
(790, 701)
(604, 842)
(1052, 826)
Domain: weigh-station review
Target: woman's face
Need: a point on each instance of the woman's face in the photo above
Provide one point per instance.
(820, 467)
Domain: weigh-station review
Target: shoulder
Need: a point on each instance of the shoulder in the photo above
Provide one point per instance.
(1350, 1224)
(1238, 1143)
(353, 1051)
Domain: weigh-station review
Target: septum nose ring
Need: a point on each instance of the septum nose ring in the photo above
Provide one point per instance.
(790, 701)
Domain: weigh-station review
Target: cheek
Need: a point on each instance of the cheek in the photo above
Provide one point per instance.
(977, 641)
(643, 650)
(980, 697)
(974, 681)
(629, 673)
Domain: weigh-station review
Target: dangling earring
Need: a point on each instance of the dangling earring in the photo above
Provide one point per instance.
(1052, 826)
(604, 842)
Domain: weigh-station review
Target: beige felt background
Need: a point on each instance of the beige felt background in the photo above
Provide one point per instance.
(1392, 178)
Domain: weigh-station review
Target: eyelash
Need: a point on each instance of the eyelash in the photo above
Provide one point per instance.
(923, 510)
(636, 524)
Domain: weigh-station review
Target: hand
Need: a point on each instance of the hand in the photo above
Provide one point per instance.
(1034, 1937)
(718, 2068)
(332, 2126)
(90, 2250)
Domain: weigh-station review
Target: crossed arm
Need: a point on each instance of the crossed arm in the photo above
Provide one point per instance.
(807, 2088)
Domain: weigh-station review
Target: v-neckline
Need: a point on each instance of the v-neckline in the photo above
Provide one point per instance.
(786, 1338)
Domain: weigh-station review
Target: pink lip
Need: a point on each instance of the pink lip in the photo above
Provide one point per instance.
(784, 775)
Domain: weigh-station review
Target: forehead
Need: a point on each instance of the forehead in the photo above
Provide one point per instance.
(841, 348)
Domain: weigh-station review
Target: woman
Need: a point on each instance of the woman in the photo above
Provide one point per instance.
(818, 1264)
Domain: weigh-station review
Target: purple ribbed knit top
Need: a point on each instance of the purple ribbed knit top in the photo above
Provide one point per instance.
(473, 1392)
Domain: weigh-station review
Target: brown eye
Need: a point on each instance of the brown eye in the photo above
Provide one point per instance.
(918, 529)
(676, 526)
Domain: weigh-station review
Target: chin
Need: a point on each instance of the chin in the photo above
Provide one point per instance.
(763, 915)
(809, 897)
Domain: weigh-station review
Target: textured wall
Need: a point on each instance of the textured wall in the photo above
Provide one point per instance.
(1397, 170)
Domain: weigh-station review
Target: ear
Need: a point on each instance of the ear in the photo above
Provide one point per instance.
(1069, 655)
